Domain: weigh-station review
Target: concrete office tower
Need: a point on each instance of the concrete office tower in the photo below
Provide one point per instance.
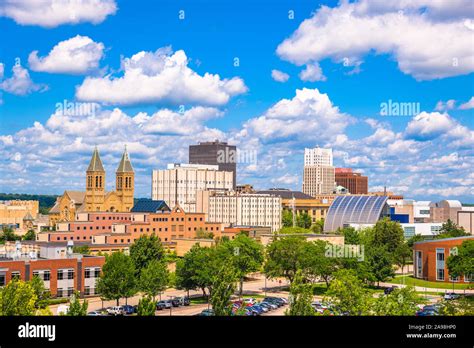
(318, 157)
(319, 173)
(179, 183)
(215, 153)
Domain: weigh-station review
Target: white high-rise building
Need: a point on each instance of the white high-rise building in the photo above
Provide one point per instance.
(180, 182)
(246, 209)
(319, 172)
(318, 157)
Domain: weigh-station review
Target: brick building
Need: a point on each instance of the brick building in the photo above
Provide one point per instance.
(430, 259)
(356, 183)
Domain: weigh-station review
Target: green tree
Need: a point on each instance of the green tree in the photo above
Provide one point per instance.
(416, 238)
(301, 297)
(201, 234)
(223, 287)
(462, 306)
(462, 263)
(303, 220)
(284, 257)
(30, 235)
(386, 233)
(287, 218)
(449, 230)
(8, 235)
(82, 249)
(154, 278)
(42, 295)
(293, 230)
(17, 298)
(379, 263)
(318, 226)
(351, 236)
(401, 255)
(145, 249)
(117, 279)
(246, 255)
(348, 294)
(76, 308)
(146, 307)
(402, 301)
(317, 263)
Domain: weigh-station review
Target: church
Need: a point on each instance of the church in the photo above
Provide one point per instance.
(95, 198)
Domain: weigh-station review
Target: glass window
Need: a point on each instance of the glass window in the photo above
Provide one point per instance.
(87, 273)
(47, 275)
(60, 274)
(2, 279)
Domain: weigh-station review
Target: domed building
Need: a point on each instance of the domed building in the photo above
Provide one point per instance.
(95, 198)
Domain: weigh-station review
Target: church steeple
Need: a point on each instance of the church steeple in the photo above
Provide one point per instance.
(95, 164)
(95, 184)
(125, 166)
(125, 181)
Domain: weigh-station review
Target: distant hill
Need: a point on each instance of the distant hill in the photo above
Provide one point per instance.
(46, 202)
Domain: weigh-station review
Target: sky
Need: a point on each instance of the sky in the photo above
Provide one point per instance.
(388, 85)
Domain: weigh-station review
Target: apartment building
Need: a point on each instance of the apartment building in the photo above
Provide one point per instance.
(179, 183)
(231, 208)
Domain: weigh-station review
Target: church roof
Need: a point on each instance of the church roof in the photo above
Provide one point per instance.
(125, 166)
(28, 217)
(96, 164)
(150, 206)
(76, 196)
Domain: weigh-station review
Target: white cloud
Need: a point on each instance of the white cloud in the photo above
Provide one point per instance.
(467, 105)
(287, 179)
(444, 106)
(312, 73)
(280, 76)
(52, 13)
(161, 76)
(2, 70)
(20, 83)
(77, 55)
(424, 46)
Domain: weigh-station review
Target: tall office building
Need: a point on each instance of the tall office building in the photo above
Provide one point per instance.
(318, 157)
(319, 173)
(215, 153)
(179, 183)
(356, 183)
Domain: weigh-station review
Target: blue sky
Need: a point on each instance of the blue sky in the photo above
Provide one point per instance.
(339, 72)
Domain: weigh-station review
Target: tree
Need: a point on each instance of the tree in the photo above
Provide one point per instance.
(318, 226)
(461, 306)
(287, 218)
(146, 306)
(8, 235)
(42, 295)
(145, 249)
(76, 308)
(30, 235)
(284, 257)
(402, 255)
(223, 287)
(246, 255)
(317, 263)
(201, 234)
(83, 249)
(348, 294)
(351, 236)
(301, 297)
(303, 220)
(463, 262)
(17, 298)
(449, 230)
(293, 230)
(416, 238)
(154, 278)
(118, 277)
(402, 301)
(379, 263)
(386, 233)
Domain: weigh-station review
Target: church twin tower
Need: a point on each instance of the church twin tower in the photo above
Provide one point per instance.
(120, 200)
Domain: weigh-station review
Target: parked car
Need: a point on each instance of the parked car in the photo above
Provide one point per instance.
(256, 310)
(389, 290)
(95, 314)
(165, 304)
(278, 301)
(127, 309)
(434, 307)
(285, 300)
(116, 310)
(183, 301)
(426, 313)
(250, 301)
(260, 307)
(175, 302)
(451, 296)
(206, 313)
(270, 304)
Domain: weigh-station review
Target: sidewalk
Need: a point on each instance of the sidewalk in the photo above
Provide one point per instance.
(423, 289)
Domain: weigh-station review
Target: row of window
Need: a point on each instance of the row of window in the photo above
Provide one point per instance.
(61, 274)
(173, 228)
(72, 238)
(114, 218)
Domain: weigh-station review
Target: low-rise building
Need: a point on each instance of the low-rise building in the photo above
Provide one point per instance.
(335, 239)
(61, 270)
(18, 214)
(430, 259)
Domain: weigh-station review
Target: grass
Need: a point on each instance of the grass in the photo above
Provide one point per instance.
(410, 280)
(198, 300)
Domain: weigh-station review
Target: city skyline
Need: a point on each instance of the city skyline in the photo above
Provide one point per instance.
(385, 107)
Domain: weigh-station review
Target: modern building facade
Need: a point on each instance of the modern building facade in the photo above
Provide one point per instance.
(62, 271)
(345, 210)
(356, 183)
(179, 184)
(231, 208)
(95, 198)
(466, 220)
(318, 157)
(215, 153)
(318, 180)
(430, 259)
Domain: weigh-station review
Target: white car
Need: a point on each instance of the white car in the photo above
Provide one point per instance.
(62, 309)
(252, 301)
(115, 310)
(451, 296)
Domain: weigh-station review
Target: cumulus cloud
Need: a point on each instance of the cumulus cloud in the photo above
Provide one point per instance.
(161, 76)
(312, 73)
(425, 45)
(2, 70)
(467, 105)
(77, 55)
(20, 83)
(280, 76)
(443, 106)
(52, 13)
